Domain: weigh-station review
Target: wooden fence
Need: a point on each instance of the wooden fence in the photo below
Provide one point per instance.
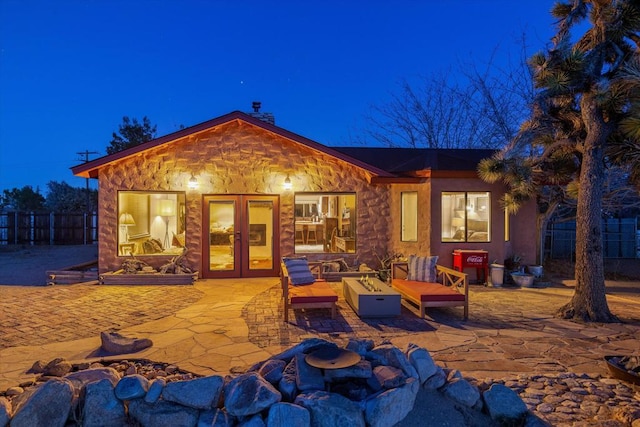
(31, 228)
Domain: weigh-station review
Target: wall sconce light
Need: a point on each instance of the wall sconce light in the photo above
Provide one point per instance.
(193, 182)
(287, 183)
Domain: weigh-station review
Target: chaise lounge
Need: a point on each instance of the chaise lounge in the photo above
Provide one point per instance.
(426, 284)
(301, 289)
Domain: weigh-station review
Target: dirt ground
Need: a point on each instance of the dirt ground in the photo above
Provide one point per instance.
(27, 265)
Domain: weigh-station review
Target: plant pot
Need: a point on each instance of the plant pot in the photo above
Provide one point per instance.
(536, 270)
(522, 279)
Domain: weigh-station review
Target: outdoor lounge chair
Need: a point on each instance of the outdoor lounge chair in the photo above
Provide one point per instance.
(302, 289)
(439, 287)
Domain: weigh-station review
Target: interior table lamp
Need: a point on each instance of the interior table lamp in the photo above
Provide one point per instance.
(126, 220)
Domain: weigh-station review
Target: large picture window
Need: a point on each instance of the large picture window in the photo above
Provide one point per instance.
(325, 222)
(466, 216)
(150, 223)
(409, 231)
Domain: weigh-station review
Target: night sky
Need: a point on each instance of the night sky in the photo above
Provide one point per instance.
(70, 70)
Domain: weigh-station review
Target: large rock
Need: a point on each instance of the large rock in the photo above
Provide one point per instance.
(307, 377)
(272, 370)
(5, 411)
(101, 406)
(360, 346)
(216, 418)
(58, 367)
(462, 392)
(392, 406)
(284, 414)
(307, 346)
(80, 379)
(287, 384)
(504, 405)
(331, 410)
(388, 377)
(362, 369)
(131, 387)
(48, 406)
(114, 343)
(156, 387)
(200, 393)
(396, 358)
(162, 414)
(249, 394)
(421, 360)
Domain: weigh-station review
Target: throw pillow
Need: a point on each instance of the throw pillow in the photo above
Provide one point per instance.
(422, 269)
(298, 270)
(178, 240)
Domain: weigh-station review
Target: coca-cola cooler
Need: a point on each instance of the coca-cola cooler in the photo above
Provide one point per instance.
(468, 258)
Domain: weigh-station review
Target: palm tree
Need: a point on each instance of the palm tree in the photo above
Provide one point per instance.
(586, 117)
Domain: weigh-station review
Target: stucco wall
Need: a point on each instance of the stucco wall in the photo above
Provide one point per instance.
(238, 158)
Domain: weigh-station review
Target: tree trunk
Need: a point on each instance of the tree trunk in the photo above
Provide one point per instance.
(589, 301)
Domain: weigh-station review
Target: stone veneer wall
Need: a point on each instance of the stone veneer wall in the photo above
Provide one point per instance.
(239, 158)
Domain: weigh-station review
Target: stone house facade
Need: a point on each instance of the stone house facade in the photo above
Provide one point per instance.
(239, 193)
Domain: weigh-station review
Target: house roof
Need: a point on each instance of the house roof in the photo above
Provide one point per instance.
(90, 169)
(403, 161)
(387, 164)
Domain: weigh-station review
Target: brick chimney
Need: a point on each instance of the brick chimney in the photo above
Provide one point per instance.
(265, 117)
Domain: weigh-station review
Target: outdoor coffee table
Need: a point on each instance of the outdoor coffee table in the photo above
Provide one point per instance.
(371, 297)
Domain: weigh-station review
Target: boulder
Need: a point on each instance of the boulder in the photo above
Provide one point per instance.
(58, 367)
(80, 379)
(249, 394)
(392, 406)
(360, 346)
(331, 410)
(462, 392)
(49, 405)
(156, 387)
(388, 376)
(421, 360)
(284, 414)
(307, 346)
(162, 413)
(307, 377)
(5, 411)
(504, 405)
(114, 343)
(272, 370)
(101, 406)
(287, 385)
(216, 418)
(199, 393)
(362, 369)
(436, 380)
(131, 387)
(396, 358)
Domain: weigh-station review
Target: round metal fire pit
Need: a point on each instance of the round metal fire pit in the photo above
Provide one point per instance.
(332, 358)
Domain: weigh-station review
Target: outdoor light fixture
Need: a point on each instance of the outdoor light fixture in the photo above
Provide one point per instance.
(126, 220)
(287, 183)
(193, 182)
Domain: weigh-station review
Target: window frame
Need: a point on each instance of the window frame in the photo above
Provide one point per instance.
(464, 207)
(404, 215)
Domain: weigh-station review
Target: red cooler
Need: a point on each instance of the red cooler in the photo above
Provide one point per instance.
(468, 258)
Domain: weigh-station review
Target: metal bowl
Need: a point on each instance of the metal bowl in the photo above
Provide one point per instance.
(620, 372)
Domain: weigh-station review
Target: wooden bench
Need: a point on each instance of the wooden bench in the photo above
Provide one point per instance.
(451, 291)
(315, 295)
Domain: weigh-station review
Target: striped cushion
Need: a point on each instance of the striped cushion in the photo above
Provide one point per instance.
(298, 271)
(422, 269)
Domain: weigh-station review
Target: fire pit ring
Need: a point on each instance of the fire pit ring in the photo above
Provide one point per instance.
(332, 358)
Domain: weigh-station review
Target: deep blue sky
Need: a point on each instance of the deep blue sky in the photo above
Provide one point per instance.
(70, 70)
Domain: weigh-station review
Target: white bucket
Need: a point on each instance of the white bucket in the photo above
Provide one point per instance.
(497, 275)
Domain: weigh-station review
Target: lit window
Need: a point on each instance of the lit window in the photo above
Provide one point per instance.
(409, 215)
(325, 222)
(150, 223)
(465, 216)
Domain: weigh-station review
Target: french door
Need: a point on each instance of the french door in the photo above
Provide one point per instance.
(240, 236)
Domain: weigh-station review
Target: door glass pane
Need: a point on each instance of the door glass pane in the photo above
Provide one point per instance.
(260, 235)
(221, 235)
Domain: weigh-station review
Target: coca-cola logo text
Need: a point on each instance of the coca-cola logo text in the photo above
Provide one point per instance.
(475, 259)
